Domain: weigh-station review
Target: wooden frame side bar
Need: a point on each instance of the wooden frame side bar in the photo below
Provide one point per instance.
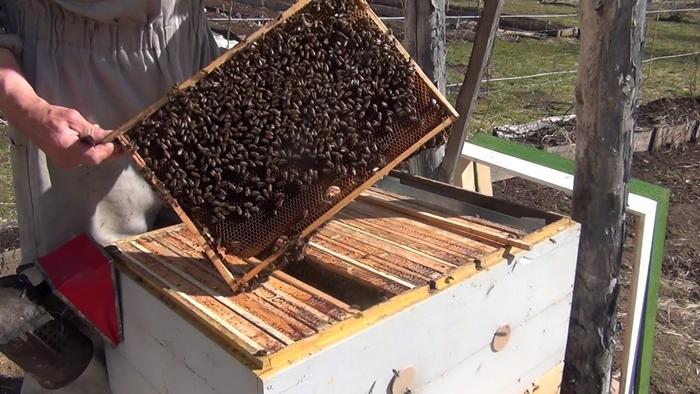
(434, 218)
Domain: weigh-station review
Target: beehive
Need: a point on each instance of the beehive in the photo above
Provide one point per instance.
(385, 286)
(300, 212)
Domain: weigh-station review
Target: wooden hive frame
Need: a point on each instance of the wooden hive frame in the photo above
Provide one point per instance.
(235, 283)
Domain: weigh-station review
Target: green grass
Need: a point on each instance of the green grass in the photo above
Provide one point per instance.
(534, 7)
(7, 195)
(521, 100)
(508, 102)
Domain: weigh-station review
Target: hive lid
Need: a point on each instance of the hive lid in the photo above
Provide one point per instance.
(310, 36)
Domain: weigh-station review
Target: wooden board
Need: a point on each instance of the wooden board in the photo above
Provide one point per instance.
(254, 323)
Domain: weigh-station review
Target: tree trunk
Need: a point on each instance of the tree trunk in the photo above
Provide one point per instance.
(424, 27)
(606, 92)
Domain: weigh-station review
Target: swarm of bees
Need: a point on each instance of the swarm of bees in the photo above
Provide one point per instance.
(318, 99)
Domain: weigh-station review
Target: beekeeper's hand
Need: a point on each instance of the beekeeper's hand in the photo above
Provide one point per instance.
(65, 136)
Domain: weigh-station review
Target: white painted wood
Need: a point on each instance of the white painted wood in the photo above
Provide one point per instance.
(536, 346)
(642, 267)
(172, 355)
(640, 206)
(523, 168)
(542, 175)
(453, 329)
(124, 377)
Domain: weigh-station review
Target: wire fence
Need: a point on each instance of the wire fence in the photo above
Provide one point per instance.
(547, 74)
(466, 17)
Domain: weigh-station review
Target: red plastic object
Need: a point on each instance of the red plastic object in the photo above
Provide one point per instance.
(84, 278)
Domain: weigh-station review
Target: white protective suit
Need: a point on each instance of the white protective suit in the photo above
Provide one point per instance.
(108, 59)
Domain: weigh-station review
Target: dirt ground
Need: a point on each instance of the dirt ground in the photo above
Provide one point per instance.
(670, 111)
(676, 365)
(9, 238)
(10, 374)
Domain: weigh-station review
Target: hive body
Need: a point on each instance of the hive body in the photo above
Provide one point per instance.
(379, 290)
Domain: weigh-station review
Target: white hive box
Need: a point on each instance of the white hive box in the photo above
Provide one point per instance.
(391, 283)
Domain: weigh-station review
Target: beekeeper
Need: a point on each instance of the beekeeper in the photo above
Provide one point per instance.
(75, 68)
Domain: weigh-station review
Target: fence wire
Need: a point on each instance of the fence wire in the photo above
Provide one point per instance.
(465, 17)
(544, 96)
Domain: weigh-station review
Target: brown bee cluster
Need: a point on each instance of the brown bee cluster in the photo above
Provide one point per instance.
(309, 101)
(320, 99)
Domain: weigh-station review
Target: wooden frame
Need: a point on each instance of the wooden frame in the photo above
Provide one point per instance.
(492, 203)
(237, 283)
(648, 202)
(396, 304)
(143, 259)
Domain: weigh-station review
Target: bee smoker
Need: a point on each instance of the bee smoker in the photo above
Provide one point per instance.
(38, 331)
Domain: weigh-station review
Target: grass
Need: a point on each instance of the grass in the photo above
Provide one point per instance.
(8, 214)
(521, 100)
(535, 7)
(508, 102)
